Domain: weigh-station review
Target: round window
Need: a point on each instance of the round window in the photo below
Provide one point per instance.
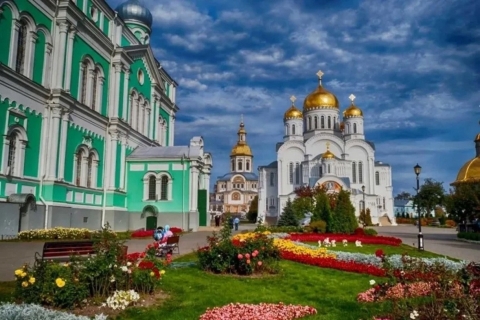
(141, 77)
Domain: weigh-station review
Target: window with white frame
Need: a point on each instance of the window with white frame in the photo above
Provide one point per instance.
(164, 193)
(247, 165)
(14, 151)
(21, 47)
(354, 128)
(322, 122)
(157, 186)
(152, 187)
(86, 167)
(293, 129)
(360, 172)
(297, 173)
(377, 178)
(315, 120)
(354, 172)
(290, 172)
(309, 123)
(272, 179)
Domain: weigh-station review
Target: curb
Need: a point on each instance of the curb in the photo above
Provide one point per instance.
(469, 241)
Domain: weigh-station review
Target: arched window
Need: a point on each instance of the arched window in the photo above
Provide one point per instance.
(272, 179)
(328, 169)
(290, 172)
(286, 129)
(131, 113)
(293, 129)
(247, 165)
(90, 170)
(233, 165)
(152, 187)
(354, 172)
(12, 153)
(239, 165)
(164, 188)
(84, 81)
(354, 128)
(322, 122)
(21, 47)
(377, 178)
(309, 123)
(95, 89)
(329, 122)
(315, 120)
(79, 164)
(297, 173)
(360, 172)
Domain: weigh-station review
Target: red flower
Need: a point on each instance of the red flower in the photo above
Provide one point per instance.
(314, 237)
(379, 253)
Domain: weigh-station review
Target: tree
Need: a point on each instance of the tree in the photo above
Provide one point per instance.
(322, 210)
(463, 202)
(430, 195)
(301, 206)
(343, 219)
(365, 217)
(288, 217)
(403, 196)
(253, 210)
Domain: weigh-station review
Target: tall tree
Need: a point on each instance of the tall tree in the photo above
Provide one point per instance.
(403, 196)
(302, 205)
(430, 195)
(343, 218)
(322, 210)
(288, 217)
(463, 202)
(252, 213)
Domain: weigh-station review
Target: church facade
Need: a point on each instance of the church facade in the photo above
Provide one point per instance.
(322, 147)
(87, 115)
(235, 190)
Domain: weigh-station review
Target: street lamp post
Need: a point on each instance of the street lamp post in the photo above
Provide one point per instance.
(363, 191)
(417, 170)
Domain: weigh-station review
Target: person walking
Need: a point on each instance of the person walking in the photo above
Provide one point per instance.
(217, 221)
(236, 221)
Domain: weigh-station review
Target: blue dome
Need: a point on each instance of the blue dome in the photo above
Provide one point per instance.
(133, 10)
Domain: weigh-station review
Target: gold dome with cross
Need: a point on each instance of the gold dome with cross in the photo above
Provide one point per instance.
(470, 171)
(328, 154)
(353, 111)
(320, 97)
(292, 112)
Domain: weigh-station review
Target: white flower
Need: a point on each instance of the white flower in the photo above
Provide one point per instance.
(124, 268)
(372, 282)
(129, 264)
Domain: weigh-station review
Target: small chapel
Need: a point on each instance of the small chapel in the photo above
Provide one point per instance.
(323, 146)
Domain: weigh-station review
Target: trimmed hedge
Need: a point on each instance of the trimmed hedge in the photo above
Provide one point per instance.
(469, 236)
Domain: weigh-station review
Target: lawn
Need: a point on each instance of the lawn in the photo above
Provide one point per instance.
(333, 293)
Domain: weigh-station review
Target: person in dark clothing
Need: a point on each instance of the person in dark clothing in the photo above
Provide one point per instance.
(217, 221)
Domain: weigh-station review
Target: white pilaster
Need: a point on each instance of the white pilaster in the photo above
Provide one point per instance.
(146, 122)
(44, 139)
(56, 114)
(171, 128)
(47, 62)
(59, 64)
(125, 114)
(122, 161)
(68, 63)
(63, 146)
(113, 161)
(30, 55)
(13, 44)
(155, 126)
(193, 188)
(141, 118)
(134, 113)
(115, 93)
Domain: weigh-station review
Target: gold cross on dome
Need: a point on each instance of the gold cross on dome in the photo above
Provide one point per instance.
(328, 145)
(320, 74)
(293, 99)
(351, 97)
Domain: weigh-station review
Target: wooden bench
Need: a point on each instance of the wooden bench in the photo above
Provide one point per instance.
(63, 250)
(172, 244)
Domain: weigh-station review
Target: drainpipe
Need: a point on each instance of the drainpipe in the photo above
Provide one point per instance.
(105, 150)
(183, 191)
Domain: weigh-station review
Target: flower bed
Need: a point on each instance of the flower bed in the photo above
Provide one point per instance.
(315, 237)
(32, 311)
(149, 233)
(59, 233)
(265, 311)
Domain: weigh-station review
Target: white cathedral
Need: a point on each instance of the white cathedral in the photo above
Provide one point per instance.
(320, 148)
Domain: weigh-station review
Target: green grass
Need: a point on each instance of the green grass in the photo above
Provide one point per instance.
(333, 293)
(6, 291)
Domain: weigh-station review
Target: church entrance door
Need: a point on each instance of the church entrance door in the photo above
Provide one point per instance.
(151, 223)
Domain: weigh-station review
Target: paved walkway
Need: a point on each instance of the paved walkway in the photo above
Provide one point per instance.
(439, 240)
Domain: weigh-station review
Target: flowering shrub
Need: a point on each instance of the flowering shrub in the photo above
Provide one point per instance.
(122, 299)
(149, 233)
(314, 237)
(33, 311)
(265, 311)
(55, 233)
(244, 255)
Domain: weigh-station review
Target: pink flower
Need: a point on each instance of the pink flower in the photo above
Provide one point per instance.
(259, 263)
(248, 261)
(240, 257)
(247, 256)
(254, 254)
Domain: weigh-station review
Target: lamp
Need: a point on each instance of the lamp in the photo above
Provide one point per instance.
(417, 169)
(363, 191)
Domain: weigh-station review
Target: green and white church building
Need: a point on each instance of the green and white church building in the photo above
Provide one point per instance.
(87, 115)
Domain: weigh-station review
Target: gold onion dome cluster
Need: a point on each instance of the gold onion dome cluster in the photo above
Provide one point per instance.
(292, 112)
(241, 148)
(470, 171)
(320, 97)
(352, 112)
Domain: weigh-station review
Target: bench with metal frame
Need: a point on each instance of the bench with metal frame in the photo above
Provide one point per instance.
(64, 250)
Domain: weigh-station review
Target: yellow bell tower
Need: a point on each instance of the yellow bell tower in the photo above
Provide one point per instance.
(241, 157)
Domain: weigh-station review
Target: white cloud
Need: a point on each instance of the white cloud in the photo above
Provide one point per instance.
(192, 84)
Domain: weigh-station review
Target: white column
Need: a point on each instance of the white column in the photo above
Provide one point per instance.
(140, 118)
(207, 187)
(134, 113)
(113, 159)
(6, 147)
(13, 44)
(68, 63)
(171, 128)
(155, 126)
(44, 140)
(125, 115)
(115, 93)
(30, 55)
(146, 122)
(47, 62)
(122, 162)
(63, 147)
(194, 189)
(56, 113)
(60, 54)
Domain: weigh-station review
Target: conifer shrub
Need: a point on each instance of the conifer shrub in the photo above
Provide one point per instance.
(288, 217)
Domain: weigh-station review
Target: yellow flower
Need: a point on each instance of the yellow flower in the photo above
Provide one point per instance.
(31, 280)
(152, 273)
(60, 282)
(23, 274)
(290, 246)
(162, 272)
(18, 272)
(24, 284)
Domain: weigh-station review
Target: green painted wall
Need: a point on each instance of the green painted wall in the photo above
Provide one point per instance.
(120, 100)
(125, 42)
(135, 189)
(40, 18)
(146, 87)
(20, 184)
(39, 58)
(80, 4)
(57, 192)
(118, 164)
(75, 137)
(33, 124)
(80, 50)
(106, 25)
(6, 27)
(202, 207)
(116, 199)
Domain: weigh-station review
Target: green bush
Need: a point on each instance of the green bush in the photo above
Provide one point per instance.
(279, 229)
(469, 236)
(252, 216)
(442, 220)
(319, 226)
(370, 232)
(288, 217)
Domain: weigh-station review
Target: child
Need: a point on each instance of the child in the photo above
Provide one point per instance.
(158, 234)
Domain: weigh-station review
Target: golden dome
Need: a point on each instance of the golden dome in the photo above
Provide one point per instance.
(292, 113)
(241, 150)
(328, 154)
(477, 138)
(470, 172)
(320, 98)
(352, 112)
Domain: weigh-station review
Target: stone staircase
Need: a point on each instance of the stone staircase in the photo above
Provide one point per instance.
(384, 221)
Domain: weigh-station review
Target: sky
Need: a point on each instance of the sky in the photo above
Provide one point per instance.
(413, 65)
